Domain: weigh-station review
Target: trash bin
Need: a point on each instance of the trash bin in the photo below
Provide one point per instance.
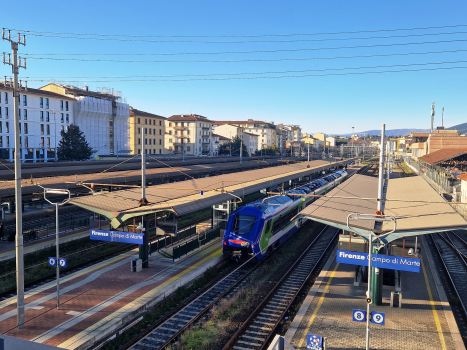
(396, 299)
(136, 265)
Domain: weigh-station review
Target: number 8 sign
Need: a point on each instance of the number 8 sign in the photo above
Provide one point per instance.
(378, 318)
(358, 315)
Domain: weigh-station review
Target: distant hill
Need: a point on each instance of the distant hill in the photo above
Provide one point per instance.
(461, 128)
(393, 132)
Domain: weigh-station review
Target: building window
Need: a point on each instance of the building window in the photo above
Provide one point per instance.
(160, 130)
(150, 130)
(160, 141)
(62, 119)
(1, 127)
(170, 140)
(25, 114)
(150, 141)
(8, 141)
(6, 112)
(19, 113)
(26, 128)
(26, 141)
(25, 100)
(6, 97)
(139, 131)
(48, 141)
(48, 129)
(1, 141)
(188, 148)
(42, 129)
(145, 141)
(41, 102)
(62, 128)
(160, 124)
(139, 121)
(170, 124)
(19, 127)
(160, 151)
(67, 118)
(41, 113)
(61, 105)
(145, 121)
(170, 132)
(139, 141)
(0, 112)
(46, 103)
(7, 127)
(139, 151)
(66, 106)
(47, 117)
(42, 142)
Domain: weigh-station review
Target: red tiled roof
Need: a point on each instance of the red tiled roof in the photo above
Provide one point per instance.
(462, 177)
(221, 122)
(442, 154)
(221, 138)
(189, 117)
(137, 112)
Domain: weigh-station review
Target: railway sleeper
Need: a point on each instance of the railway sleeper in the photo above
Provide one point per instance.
(253, 338)
(269, 324)
(249, 343)
(269, 313)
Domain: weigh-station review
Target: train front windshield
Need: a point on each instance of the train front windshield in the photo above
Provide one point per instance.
(244, 224)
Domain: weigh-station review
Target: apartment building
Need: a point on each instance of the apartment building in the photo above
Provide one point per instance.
(101, 115)
(251, 141)
(189, 134)
(266, 131)
(154, 132)
(228, 130)
(42, 116)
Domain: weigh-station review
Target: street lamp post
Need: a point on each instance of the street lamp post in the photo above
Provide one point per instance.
(352, 142)
(55, 128)
(65, 192)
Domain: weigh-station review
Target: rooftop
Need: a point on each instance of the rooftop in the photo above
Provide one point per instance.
(23, 90)
(189, 117)
(442, 155)
(417, 207)
(137, 112)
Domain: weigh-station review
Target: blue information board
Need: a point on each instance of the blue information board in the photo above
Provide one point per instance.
(314, 342)
(378, 260)
(52, 261)
(62, 262)
(358, 315)
(117, 236)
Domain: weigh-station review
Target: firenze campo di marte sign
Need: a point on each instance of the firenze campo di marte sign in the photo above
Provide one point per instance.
(116, 236)
(378, 260)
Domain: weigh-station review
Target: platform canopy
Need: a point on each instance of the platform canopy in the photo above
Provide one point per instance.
(185, 196)
(416, 206)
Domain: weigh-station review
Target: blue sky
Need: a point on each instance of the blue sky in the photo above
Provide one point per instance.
(331, 103)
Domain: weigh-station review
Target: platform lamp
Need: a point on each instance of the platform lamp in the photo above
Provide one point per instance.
(63, 192)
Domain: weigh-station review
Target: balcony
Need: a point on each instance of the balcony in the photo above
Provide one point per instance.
(205, 143)
(206, 128)
(205, 136)
(180, 127)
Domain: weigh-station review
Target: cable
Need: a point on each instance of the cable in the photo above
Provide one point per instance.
(171, 167)
(257, 73)
(230, 52)
(240, 36)
(226, 61)
(275, 77)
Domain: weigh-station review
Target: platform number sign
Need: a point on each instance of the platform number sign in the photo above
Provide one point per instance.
(314, 342)
(62, 262)
(358, 315)
(378, 318)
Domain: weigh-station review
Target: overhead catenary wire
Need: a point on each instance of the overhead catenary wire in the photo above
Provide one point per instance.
(226, 61)
(245, 36)
(257, 73)
(266, 77)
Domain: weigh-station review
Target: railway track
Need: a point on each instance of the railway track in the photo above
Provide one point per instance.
(451, 251)
(260, 327)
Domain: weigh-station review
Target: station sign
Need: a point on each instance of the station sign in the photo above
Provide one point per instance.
(62, 262)
(378, 318)
(116, 236)
(358, 315)
(379, 260)
(314, 342)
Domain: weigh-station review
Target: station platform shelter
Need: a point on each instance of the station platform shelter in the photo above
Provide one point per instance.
(424, 318)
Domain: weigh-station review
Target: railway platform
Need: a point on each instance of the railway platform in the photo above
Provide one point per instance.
(97, 301)
(425, 320)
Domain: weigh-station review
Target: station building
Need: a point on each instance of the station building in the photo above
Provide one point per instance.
(43, 115)
(154, 126)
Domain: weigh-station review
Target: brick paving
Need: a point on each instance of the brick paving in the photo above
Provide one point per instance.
(99, 298)
(411, 327)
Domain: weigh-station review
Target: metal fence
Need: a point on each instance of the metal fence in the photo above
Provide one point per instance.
(202, 239)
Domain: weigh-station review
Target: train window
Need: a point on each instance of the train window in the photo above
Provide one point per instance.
(244, 224)
(268, 226)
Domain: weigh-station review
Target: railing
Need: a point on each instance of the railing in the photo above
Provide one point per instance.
(202, 239)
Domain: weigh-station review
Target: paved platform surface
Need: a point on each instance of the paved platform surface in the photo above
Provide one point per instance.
(425, 320)
(95, 302)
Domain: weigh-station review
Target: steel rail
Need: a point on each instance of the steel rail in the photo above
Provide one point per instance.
(237, 334)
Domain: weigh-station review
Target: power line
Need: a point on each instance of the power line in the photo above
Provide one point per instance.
(243, 42)
(218, 53)
(274, 77)
(242, 36)
(253, 73)
(249, 60)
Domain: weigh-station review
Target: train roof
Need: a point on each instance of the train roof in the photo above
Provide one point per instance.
(271, 204)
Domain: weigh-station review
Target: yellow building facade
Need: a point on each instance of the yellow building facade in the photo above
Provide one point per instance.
(154, 127)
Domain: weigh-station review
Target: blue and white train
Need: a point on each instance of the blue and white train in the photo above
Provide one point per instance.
(266, 223)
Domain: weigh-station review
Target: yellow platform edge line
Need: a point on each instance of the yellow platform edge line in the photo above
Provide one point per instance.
(433, 307)
(312, 318)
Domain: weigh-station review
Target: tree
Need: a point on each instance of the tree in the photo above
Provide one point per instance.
(236, 141)
(268, 151)
(73, 145)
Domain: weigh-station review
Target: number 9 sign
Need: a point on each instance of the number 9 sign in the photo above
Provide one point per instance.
(378, 318)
